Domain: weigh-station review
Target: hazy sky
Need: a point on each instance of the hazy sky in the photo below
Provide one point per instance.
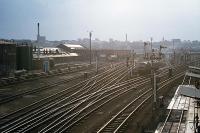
(71, 19)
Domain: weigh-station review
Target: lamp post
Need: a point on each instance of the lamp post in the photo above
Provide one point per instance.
(174, 51)
(151, 44)
(90, 36)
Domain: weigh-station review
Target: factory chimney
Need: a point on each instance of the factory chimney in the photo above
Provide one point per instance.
(38, 29)
(38, 35)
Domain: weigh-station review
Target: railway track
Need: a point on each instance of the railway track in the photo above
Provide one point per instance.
(119, 122)
(78, 93)
(50, 84)
(11, 81)
(55, 96)
(68, 128)
(107, 94)
(95, 105)
(59, 113)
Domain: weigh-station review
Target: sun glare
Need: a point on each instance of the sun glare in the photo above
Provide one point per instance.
(121, 6)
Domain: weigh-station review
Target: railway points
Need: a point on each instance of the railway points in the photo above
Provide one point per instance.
(116, 95)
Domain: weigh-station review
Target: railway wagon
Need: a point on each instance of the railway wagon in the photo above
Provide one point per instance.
(143, 68)
(112, 57)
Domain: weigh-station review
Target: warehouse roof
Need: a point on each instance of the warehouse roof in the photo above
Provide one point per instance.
(73, 46)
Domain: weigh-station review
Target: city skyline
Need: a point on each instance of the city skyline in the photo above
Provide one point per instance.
(68, 20)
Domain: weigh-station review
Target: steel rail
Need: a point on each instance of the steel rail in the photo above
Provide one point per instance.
(63, 129)
(104, 86)
(110, 89)
(130, 114)
(35, 90)
(57, 95)
(105, 91)
(146, 100)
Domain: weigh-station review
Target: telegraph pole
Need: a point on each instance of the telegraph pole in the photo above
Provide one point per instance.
(151, 44)
(127, 59)
(151, 57)
(90, 35)
(154, 90)
(126, 39)
(174, 51)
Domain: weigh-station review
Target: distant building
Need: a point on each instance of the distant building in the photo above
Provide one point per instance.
(176, 40)
(195, 42)
(41, 39)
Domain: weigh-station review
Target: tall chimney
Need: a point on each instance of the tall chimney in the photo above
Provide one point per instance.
(38, 24)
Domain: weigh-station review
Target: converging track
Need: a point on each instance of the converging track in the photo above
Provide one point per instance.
(79, 90)
(63, 111)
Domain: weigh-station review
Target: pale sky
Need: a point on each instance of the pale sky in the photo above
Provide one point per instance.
(71, 19)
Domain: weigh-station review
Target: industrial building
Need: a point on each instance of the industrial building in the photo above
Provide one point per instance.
(7, 58)
(24, 57)
(15, 56)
